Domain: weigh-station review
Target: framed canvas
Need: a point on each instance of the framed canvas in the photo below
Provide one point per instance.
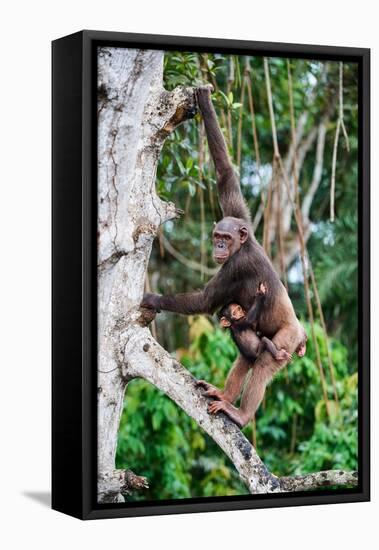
(210, 275)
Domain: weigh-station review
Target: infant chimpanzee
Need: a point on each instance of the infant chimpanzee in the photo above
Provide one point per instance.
(243, 327)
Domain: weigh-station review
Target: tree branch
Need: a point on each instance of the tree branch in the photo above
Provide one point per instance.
(320, 479)
(317, 172)
(119, 482)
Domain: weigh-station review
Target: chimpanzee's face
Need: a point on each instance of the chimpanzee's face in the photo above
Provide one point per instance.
(233, 312)
(228, 236)
(236, 312)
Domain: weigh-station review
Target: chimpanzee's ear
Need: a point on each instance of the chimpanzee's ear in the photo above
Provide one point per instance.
(243, 234)
(224, 323)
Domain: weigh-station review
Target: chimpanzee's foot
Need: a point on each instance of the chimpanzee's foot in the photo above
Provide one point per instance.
(216, 406)
(202, 383)
(214, 392)
(283, 355)
(211, 391)
(234, 414)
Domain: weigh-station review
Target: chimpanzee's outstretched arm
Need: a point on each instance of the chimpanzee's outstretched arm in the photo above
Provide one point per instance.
(230, 196)
(188, 303)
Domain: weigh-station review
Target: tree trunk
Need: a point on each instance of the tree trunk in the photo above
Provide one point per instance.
(135, 115)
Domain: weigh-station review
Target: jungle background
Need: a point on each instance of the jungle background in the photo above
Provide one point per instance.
(291, 126)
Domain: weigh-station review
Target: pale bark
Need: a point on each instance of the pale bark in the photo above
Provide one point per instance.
(317, 172)
(319, 479)
(135, 115)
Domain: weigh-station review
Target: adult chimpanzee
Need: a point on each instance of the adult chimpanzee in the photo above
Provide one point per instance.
(243, 265)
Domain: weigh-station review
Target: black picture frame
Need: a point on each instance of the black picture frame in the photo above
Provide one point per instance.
(74, 274)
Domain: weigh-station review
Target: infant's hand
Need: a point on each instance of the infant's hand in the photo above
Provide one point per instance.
(262, 289)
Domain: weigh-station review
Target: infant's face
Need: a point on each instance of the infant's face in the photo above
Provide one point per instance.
(236, 312)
